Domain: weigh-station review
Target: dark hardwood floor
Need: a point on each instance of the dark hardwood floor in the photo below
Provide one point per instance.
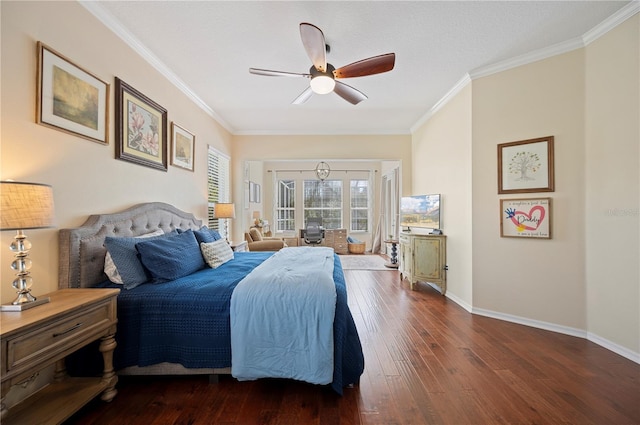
(427, 361)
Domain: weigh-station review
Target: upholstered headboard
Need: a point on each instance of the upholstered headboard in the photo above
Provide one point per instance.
(81, 249)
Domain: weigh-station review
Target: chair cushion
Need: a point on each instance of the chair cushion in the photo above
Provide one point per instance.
(255, 234)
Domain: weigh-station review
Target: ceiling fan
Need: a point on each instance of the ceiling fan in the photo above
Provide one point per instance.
(324, 76)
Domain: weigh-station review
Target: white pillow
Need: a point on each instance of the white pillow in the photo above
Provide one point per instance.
(110, 268)
(216, 253)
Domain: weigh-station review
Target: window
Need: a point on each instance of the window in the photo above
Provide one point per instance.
(323, 200)
(286, 206)
(218, 187)
(359, 205)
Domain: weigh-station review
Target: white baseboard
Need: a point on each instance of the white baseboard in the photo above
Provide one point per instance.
(580, 333)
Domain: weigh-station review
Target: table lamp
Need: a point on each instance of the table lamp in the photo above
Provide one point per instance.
(224, 211)
(256, 218)
(24, 206)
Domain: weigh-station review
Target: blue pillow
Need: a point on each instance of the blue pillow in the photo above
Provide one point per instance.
(125, 257)
(206, 235)
(171, 258)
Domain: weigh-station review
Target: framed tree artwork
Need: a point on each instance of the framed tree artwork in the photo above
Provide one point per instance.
(526, 166)
(141, 128)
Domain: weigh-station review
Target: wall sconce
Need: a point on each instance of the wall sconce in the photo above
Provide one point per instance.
(24, 206)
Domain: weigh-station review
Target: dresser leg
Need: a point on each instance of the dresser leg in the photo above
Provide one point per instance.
(60, 373)
(107, 345)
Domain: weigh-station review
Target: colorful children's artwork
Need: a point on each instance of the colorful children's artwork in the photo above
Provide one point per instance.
(526, 218)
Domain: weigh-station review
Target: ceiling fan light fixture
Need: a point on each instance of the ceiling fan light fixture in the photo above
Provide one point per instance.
(322, 84)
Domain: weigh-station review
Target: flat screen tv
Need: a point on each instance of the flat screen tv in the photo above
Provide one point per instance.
(420, 211)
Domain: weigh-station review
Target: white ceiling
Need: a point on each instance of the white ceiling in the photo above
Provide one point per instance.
(207, 47)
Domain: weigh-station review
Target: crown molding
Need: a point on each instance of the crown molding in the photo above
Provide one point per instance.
(611, 22)
(457, 88)
(557, 49)
(116, 27)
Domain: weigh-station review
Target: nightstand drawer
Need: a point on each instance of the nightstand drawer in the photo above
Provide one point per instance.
(57, 337)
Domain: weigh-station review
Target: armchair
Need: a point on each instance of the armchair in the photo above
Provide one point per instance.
(257, 242)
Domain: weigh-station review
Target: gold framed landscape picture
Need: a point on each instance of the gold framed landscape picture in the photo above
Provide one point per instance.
(70, 98)
(182, 147)
(141, 128)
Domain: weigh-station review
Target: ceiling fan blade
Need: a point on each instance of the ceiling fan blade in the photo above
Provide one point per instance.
(303, 97)
(370, 66)
(270, 73)
(349, 94)
(314, 44)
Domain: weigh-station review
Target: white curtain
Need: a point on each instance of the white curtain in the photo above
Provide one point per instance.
(376, 240)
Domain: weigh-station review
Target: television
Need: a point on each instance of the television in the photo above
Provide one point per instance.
(420, 211)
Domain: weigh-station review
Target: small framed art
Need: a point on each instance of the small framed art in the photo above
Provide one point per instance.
(252, 192)
(525, 218)
(526, 166)
(141, 128)
(70, 98)
(182, 147)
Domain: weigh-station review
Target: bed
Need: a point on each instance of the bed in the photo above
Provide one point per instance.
(182, 326)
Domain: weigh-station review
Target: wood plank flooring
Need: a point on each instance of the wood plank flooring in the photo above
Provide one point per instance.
(427, 361)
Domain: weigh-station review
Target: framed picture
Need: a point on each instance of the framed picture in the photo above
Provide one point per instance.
(257, 195)
(525, 218)
(246, 195)
(183, 144)
(141, 128)
(252, 192)
(526, 166)
(70, 98)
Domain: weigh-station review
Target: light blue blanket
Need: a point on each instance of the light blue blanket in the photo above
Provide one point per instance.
(282, 317)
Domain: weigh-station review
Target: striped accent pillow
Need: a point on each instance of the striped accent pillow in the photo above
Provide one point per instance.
(216, 253)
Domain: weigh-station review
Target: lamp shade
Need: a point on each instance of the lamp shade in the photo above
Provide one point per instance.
(26, 206)
(224, 210)
(256, 215)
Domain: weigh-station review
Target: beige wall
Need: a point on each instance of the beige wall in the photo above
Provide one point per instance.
(539, 279)
(585, 280)
(442, 163)
(301, 151)
(612, 186)
(86, 178)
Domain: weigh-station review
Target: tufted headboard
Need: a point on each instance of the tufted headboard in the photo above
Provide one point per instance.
(81, 249)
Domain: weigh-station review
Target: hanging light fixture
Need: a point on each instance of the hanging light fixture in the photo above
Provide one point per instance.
(322, 171)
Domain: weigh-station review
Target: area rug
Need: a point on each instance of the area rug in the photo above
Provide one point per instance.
(363, 262)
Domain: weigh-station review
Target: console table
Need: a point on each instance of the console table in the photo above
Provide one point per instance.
(423, 258)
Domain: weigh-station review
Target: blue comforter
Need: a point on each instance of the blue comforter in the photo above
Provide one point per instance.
(187, 321)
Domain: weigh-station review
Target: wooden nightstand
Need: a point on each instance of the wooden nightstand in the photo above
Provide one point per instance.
(239, 246)
(36, 338)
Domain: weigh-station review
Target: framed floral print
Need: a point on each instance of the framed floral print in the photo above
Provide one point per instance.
(182, 147)
(70, 98)
(141, 128)
(526, 166)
